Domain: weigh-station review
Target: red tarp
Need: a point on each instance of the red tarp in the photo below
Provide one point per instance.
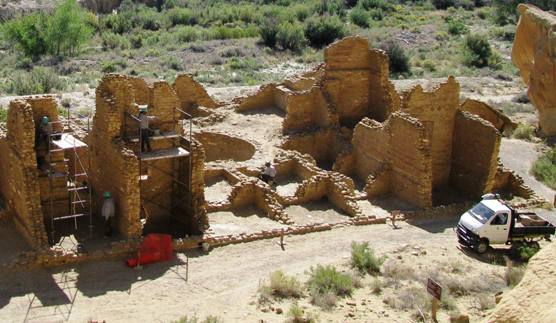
(154, 248)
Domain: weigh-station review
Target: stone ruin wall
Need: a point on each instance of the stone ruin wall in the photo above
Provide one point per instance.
(534, 54)
(325, 107)
(475, 155)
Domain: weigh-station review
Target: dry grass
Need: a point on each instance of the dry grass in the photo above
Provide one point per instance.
(484, 302)
(280, 285)
(514, 275)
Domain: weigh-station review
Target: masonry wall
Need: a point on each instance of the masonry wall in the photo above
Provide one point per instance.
(371, 146)
(475, 155)
(191, 94)
(20, 187)
(499, 120)
(305, 110)
(436, 110)
(114, 168)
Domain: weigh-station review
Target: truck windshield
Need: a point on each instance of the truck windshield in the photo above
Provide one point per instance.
(481, 212)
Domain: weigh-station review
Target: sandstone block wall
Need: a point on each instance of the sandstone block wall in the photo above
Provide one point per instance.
(475, 155)
(436, 110)
(499, 120)
(534, 53)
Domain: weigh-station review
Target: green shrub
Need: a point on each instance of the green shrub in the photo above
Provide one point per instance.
(28, 34)
(301, 12)
(108, 67)
(544, 168)
(523, 131)
(296, 314)
(364, 259)
(443, 4)
(181, 16)
(526, 251)
(148, 19)
(456, 26)
(360, 17)
(37, 81)
(326, 279)
(477, 51)
(3, 114)
(377, 14)
(268, 31)
(194, 319)
(113, 41)
(136, 40)
(506, 10)
(375, 4)
(291, 36)
(399, 60)
(506, 33)
(188, 34)
(118, 23)
(322, 31)
(281, 286)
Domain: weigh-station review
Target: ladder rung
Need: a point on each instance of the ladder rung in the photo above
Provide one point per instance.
(79, 202)
(77, 188)
(80, 174)
(56, 150)
(56, 134)
(73, 216)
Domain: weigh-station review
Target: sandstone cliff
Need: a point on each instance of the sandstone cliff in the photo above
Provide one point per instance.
(532, 300)
(534, 53)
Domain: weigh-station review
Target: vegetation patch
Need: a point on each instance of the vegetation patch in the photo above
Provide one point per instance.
(544, 168)
(363, 258)
(280, 285)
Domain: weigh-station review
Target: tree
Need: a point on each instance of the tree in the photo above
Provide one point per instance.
(27, 34)
(67, 29)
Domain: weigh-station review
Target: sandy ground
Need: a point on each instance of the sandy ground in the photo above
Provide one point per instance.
(217, 190)
(244, 220)
(223, 282)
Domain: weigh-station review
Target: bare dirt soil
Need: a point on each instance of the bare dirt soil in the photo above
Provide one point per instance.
(225, 281)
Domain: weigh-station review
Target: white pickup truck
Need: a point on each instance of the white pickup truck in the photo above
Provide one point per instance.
(492, 221)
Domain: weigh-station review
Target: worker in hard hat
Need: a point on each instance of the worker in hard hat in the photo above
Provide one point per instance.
(44, 130)
(108, 213)
(144, 129)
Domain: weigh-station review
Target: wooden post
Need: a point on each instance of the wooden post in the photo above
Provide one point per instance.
(434, 309)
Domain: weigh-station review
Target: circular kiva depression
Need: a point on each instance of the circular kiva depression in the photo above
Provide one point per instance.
(223, 147)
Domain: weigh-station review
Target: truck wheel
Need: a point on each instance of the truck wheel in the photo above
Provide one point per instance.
(482, 246)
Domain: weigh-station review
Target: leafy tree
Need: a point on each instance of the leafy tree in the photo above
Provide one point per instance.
(27, 34)
(67, 29)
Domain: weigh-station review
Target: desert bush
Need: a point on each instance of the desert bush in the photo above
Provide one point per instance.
(524, 131)
(377, 14)
(363, 258)
(321, 31)
(222, 32)
(506, 33)
(484, 302)
(118, 23)
(513, 275)
(136, 40)
(377, 285)
(324, 300)
(281, 285)
(375, 4)
(291, 36)
(325, 281)
(399, 60)
(544, 168)
(526, 251)
(360, 17)
(194, 319)
(456, 26)
(268, 31)
(37, 81)
(108, 67)
(181, 16)
(187, 34)
(148, 18)
(477, 51)
(448, 302)
(301, 12)
(113, 41)
(409, 298)
(3, 114)
(506, 10)
(443, 4)
(397, 271)
(296, 314)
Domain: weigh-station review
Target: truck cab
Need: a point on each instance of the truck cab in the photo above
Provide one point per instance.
(492, 221)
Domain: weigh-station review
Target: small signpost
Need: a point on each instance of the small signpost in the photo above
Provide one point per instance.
(435, 290)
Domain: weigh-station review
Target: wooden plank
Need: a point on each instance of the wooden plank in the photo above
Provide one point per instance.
(175, 152)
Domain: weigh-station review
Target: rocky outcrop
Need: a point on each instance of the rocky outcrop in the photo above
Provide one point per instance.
(532, 300)
(534, 53)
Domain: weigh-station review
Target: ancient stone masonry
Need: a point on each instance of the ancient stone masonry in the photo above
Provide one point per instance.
(347, 115)
(534, 53)
(145, 186)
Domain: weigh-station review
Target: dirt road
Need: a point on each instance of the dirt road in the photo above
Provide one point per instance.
(221, 283)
